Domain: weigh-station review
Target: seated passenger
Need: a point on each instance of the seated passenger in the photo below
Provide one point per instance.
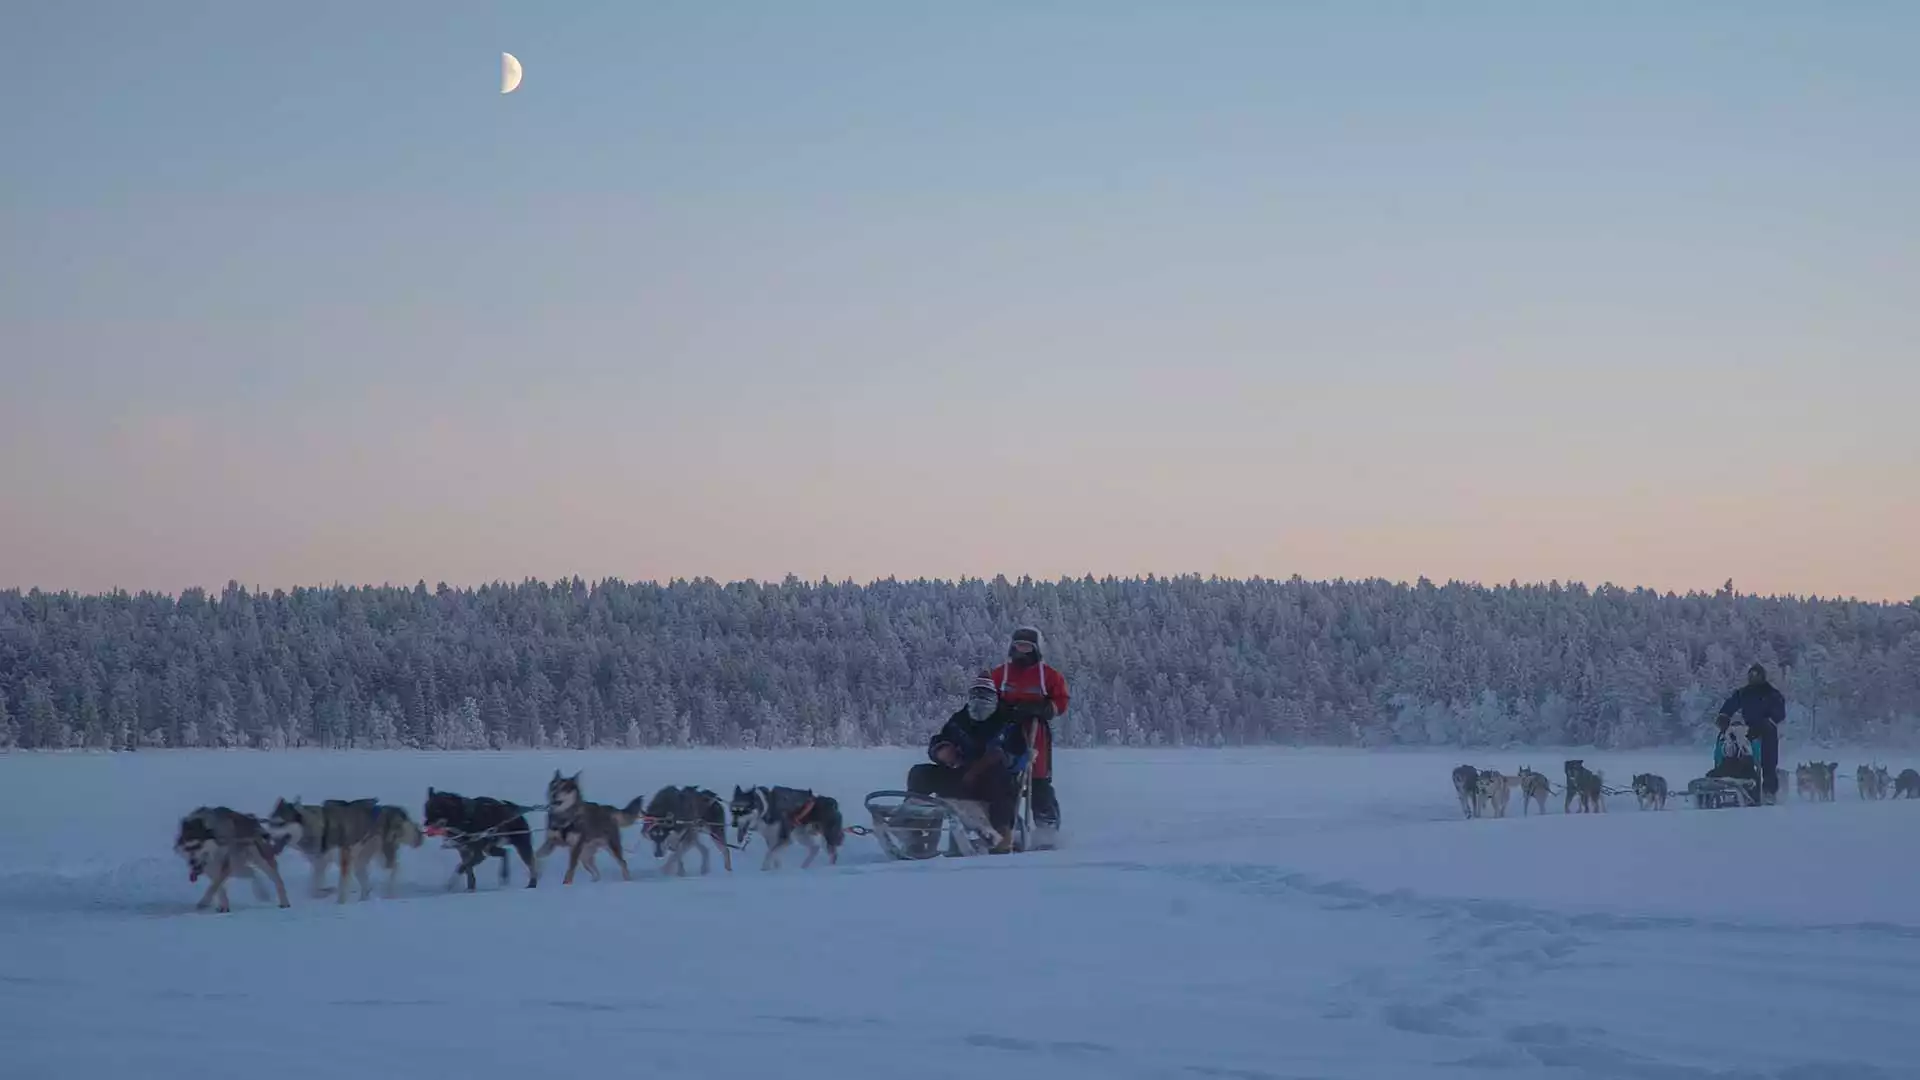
(1734, 754)
(975, 756)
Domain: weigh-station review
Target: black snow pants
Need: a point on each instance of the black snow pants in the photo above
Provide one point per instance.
(991, 786)
(1766, 751)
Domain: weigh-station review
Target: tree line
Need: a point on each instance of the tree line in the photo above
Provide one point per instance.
(1182, 661)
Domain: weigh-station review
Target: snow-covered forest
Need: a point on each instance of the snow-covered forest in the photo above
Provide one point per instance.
(1181, 661)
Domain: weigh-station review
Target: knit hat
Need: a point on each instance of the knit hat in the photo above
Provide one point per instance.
(1030, 635)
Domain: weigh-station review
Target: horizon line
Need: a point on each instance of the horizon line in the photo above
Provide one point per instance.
(1511, 585)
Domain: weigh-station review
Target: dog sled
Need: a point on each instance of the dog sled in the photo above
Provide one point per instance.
(913, 826)
(1734, 781)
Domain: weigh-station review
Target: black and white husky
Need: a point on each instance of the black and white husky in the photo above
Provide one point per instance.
(787, 814)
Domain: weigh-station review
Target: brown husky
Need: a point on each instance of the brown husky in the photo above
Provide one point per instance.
(584, 827)
(1534, 787)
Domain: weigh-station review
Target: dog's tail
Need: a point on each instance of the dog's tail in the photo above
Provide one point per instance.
(833, 827)
(633, 811)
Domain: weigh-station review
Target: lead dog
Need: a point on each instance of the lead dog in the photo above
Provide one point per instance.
(787, 814)
(218, 841)
(684, 817)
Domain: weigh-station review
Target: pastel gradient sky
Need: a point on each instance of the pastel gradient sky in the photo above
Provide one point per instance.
(1630, 292)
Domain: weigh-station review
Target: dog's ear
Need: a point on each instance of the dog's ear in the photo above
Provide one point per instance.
(556, 774)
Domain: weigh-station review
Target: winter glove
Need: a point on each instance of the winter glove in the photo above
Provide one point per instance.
(992, 759)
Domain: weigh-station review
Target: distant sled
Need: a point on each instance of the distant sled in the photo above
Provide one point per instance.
(1734, 780)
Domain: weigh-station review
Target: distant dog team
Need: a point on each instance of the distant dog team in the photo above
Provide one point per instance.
(1486, 792)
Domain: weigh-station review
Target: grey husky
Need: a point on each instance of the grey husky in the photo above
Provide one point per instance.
(1871, 783)
(682, 818)
(585, 827)
(220, 842)
(350, 830)
(1651, 790)
(1533, 789)
(787, 814)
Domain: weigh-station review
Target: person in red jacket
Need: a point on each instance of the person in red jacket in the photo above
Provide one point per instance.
(1031, 687)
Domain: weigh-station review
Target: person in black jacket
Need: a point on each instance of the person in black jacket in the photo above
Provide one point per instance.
(1764, 709)
(973, 756)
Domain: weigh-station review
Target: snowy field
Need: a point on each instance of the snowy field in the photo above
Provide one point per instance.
(1216, 914)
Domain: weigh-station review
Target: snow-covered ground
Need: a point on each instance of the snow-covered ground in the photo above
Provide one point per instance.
(1227, 914)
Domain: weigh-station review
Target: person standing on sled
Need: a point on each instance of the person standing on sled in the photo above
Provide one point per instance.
(1764, 709)
(1031, 688)
(973, 756)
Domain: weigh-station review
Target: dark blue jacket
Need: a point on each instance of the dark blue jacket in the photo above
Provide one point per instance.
(1760, 706)
(974, 737)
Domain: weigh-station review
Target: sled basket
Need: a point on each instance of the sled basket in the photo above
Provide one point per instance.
(1722, 792)
(911, 826)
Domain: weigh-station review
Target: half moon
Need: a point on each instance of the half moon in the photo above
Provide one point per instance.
(509, 73)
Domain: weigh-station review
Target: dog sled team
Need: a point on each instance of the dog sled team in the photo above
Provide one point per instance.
(989, 780)
(223, 843)
(1745, 769)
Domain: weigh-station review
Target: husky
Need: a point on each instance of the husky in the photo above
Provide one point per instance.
(684, 817)
(1466, 787)
(220, 842)
(787, 814)
(1882, 783)
(1907, 785)
(1533, 788)
(1863, 778)
(478, 828)
(351, 830)
(1587, 786)
(1651, 790)
(1495, 788)
(1828, 773)
(585, 827)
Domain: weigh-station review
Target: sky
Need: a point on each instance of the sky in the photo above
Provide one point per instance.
(290, 294)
